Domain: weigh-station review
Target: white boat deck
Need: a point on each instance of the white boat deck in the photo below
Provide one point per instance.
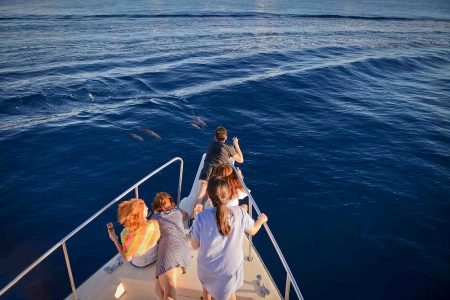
(139, 282)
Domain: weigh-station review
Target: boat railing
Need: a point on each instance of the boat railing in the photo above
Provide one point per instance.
(290, 280)
(62, 243)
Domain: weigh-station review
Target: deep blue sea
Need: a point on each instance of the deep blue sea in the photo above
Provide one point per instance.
(342, 109)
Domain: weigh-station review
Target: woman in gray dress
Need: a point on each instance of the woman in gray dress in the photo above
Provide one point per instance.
(173, 252)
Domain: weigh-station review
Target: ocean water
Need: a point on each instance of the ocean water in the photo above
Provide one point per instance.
(341, 108)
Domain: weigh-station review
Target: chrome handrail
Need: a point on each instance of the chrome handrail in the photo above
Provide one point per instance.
(76, 230)
(289, 277)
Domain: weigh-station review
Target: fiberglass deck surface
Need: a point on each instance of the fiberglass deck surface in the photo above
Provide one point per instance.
(139, 283)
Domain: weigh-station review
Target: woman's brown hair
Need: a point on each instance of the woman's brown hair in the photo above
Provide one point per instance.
(219, 192)
(225, 170)
(131, 214)
(162, 202)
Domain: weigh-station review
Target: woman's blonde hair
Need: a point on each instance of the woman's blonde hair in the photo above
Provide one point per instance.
(219, 192)
(163, 201)
(225, 170)
(131, 214)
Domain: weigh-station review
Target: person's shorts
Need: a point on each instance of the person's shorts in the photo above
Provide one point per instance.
(146, 259)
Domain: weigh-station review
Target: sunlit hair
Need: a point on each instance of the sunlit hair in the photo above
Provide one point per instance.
(221, 133)
(225, 170)
(163, 201)
(219, 192)
(131, 214)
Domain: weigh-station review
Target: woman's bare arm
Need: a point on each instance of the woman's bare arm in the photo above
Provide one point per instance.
(257, 226)
(113, 237)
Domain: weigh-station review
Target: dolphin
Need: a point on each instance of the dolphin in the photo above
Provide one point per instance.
(151, 133)
(196, 126)
(136, 137)
(200, 121)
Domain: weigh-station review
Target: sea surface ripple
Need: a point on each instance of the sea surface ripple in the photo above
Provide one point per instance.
(342, 111)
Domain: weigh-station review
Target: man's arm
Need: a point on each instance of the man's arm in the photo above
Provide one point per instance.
(238, 157)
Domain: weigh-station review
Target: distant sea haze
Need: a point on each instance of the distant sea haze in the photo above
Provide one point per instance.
(341, 109)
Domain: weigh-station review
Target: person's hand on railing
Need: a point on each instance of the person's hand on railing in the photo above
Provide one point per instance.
(197, 209)
(258, 223)
(263, 218)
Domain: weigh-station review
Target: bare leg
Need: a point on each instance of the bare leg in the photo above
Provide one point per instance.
(206, 295)
(169, 283)
(165, 286)
(201, 192)
(158, 289)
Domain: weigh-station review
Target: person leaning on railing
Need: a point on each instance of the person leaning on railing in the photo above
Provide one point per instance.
(218, 153)
(237, 191)
(173, 251)
(139, 237)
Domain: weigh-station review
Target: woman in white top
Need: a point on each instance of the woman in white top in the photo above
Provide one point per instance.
(237, 191)
(218, 233)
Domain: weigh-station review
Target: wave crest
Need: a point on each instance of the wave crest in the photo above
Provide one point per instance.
(219, 15)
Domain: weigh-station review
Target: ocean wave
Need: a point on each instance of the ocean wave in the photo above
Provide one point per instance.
(72, 114)
(136, 82)
(219, 15)
(374, 66)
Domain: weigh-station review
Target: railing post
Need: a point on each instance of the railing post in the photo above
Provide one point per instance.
(136, 192)
(180, 181)
(69, 270)
(287, 291)
(250, 238)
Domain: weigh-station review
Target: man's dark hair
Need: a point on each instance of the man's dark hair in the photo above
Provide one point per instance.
(221, 134)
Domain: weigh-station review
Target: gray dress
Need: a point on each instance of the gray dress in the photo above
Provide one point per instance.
(173, 250)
